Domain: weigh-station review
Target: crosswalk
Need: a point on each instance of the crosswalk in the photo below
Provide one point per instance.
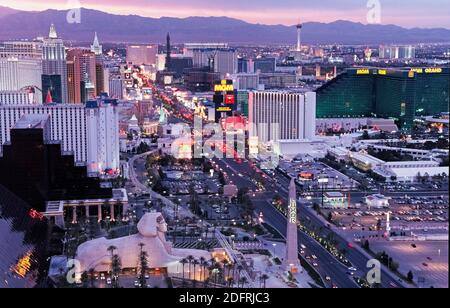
(197, 245)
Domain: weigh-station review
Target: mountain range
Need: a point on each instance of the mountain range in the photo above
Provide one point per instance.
(137, 29)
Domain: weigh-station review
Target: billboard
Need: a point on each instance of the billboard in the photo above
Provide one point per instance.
(224, 98)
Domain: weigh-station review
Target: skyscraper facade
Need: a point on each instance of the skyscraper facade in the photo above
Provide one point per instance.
(401, 94)
(282, 115)
(90, 133)
(21, 50)
(54, 61)
(85, 68)
(21, 75)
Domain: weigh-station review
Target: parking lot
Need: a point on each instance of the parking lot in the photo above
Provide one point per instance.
(420, 213)
(428, 260)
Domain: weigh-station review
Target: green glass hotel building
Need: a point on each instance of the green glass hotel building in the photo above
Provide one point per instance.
(399, 93)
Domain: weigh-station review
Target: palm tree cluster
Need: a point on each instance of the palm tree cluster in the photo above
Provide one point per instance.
(213, 273)
(143, 266)
(116, 266)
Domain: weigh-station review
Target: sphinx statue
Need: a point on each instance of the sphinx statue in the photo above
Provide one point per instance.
(161, 255)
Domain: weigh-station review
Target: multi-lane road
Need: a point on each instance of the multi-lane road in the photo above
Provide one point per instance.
(241, 175)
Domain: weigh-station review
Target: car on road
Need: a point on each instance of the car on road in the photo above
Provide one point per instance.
(328, 278)
(109, 281)
(393, 285)
(352, 269)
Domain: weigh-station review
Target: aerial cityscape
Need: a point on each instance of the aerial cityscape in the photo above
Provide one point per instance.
(258, 146)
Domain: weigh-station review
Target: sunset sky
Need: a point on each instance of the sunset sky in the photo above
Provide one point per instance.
(407, 13)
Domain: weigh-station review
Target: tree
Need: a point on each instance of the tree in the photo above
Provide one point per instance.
(194, 202)
(243, 281)
(116, 268)
(85, 279)
(111, 250)
(92, 277)
(241, 194)
(203, 265)
(184, 262)
(365, 135)
(263, 279)
(221, 178)
(366, 245)
(143, 265)
(410, 276)
(195, 263)
(316, 207)
(190, 259)
(330, 217)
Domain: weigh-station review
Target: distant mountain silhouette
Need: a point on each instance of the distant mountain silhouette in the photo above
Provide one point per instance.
(132, 28)
(4, 11)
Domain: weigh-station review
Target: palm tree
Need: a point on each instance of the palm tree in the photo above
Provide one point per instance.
(190, 260)
(183, 262)
(195, 262)
(239, 268)
(85, 279)
(116, 267)
(243, 281)
(143, 262)
(92, 277)
(230, 282)
(111, 250)
(263, 279)
(203, 266)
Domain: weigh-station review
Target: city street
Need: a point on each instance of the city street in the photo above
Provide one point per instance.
(328, 265)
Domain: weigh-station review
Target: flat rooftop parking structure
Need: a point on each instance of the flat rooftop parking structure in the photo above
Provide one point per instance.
(428, 261)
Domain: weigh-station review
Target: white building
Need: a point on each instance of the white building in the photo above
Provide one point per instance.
(91, 133)
(226, 62)
(54, 60)
(282, 115)
(17, 75)
(188, 50)
(246, 81)
(68, 125)
(17, 97)
(408, 171)
(142, 54)
(377, 201)
(21, 50)
(102, 121)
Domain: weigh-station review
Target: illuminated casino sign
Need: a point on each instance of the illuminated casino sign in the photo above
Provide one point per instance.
(306, 176)
(433, 70)
(224, 98)
(382, 72)
(417, 70)
(229, 99)
(224, 109)
(224, 86)
(363, 72)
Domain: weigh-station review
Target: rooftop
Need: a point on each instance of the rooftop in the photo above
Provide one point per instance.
(30, 121)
